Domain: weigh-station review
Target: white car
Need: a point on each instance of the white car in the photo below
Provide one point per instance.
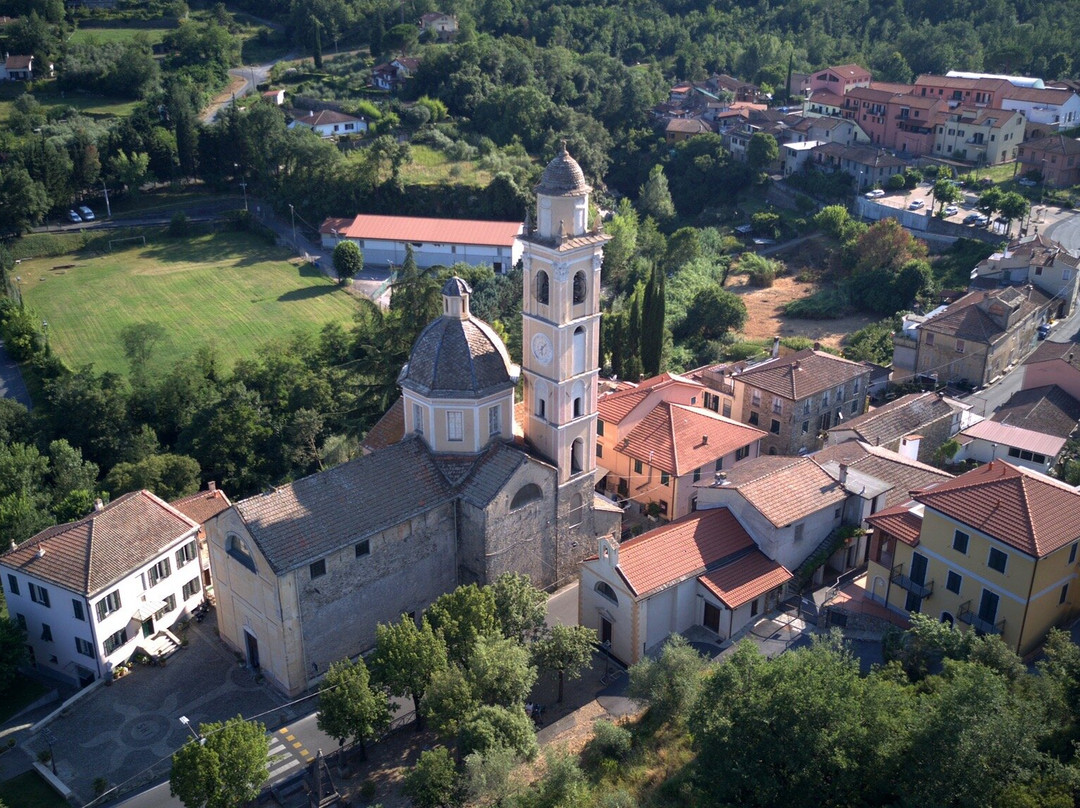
(916, 205)
(73, 216)
(86, 213)
(877, 193)
(1027, 183)
(951, 210)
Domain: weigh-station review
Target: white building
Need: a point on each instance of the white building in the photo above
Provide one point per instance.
(91, 593)
(1047, 111)
(328, 122)
(989, 440)
(435, 242)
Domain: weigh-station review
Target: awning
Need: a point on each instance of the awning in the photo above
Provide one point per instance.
(601, 473)
(148, 609)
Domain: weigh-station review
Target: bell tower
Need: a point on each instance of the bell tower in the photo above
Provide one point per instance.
(561, 323)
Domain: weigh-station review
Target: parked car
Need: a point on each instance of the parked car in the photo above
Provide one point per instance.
(918, 203)
(975, 218)
(1027, 183)
(73, 216)
(877, 193)
(951, 210)
(1044, 331)
(86, 213)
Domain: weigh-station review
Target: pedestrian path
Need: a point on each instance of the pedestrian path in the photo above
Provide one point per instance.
(286, 754)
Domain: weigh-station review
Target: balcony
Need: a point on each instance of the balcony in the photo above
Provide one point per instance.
(977, 623)
(904, 582)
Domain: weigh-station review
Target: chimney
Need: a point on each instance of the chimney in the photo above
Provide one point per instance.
(721, 478)
(909, 446)
(817, 346)
(843, 473)
(41, 551)
(211, 486)
(98, 504)
(704, 440)
(775, 347)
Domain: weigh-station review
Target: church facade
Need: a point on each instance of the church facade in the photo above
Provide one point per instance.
(305, 572)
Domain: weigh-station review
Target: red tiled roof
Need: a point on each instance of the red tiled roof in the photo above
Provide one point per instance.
(321, 117)
(439, 231)
(388, 429)
(899, 521)
(851, 70)
(1038, 95)
(801, 374)
(18, 62)
(615, 406)
(1034, 513)
(784, 489)
(745, 579)
(203, 505)
(98, 550)
(678, 439)
(1049, 351)
(680, 549)
(827, 98)
(1016, 436)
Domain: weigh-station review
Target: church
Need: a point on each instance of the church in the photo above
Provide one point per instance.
(304, 572)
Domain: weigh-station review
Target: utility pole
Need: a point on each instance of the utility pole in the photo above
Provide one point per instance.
(108, 207)
(292, 213)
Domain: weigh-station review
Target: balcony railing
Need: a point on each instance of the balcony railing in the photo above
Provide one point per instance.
(977, 623)
(923, 590)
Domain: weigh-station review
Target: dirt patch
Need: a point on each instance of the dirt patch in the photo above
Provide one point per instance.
(765, 319)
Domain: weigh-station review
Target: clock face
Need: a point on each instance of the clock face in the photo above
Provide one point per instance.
(541, 348)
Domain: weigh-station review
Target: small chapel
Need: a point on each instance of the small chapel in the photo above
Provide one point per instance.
(460, 493)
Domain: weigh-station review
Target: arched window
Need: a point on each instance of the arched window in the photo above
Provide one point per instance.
(576, 454)
(238, 549)
(576, 510)
(947, 618)
(579, 399)
(542, 287)
(526, 494)
(603, 588)
(579, 287)
(579, 350)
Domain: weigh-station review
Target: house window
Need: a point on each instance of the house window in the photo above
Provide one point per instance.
(960, 542)
(774, 427)
(577, 510)
(39, 594)
(799, 529)
(108, 604)
(363, 548)
(13, 585)
(836, 513)
(191, 588)
(959, 346)
(579, 287)
(754, 418)
(599, 450)
(21, 620)
(495, 420)
(1072, 552)
(186, 553)
(46, 632)
(170, 605)
(637, 467)
(159, 572)
(719, 465)
(418, 419)
(117, 640)
(953, 582)
(855, 407)
(805, 427)
(599, 427)
(665, 478)
(541, 408)
(604, 590)
(238, 549)
(727, 408)
(77, 610)
(777, 405)
(83, 647)
(697, 475)
(997, 560)
(930, 338)
(1064, 594)
(855, 388)
(542, 287)
(754, 607)
(825, 399)
(318, 568)
(755, 398)
(455, 425)
(806, 407)
(742, 454)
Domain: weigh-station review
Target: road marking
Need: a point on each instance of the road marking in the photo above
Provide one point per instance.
(297, 745)
(292, 763)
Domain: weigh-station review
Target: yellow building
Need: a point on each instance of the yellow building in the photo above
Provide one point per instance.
(994, 549)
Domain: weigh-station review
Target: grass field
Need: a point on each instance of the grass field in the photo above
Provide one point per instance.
(153, 35)
(97, 106)
(430, 166)
(229, 289)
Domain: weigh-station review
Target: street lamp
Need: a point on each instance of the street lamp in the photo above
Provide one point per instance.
(50, 739)
(187, 723)
(108, 207)
(45, 330)
(1042, 186)
(292, 213)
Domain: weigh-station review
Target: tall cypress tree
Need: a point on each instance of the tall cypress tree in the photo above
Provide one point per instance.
(632, 365)
(317, 52)
(652, 323)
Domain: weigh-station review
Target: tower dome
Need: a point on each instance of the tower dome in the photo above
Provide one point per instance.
(563, 177)
(458, 355)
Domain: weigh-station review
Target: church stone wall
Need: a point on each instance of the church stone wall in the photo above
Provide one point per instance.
(408, 566)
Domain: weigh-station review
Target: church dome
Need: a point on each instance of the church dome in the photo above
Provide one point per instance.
(563, 177)
(458, 357)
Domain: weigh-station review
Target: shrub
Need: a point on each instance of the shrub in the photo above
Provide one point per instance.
(824, 304)
(762, 271)
(179, 225)
(609, 742)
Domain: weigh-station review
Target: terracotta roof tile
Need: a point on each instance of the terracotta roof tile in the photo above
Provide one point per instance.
(898, 418)
(681, 549)
(965, 320)
(203, 505)
(1051, 351)
(1016, 436)
(784, 489)
(801, 374)
(388, 429)
(1049, 410)
(679, 439)
(900, 521)
(744, 579)
(904, 474)
(441, 231)
(1029, 511)
(615, 406)
(95, 552)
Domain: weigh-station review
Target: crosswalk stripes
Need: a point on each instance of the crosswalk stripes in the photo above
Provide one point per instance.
(286, 753)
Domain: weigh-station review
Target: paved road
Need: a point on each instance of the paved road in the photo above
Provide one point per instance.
(1066, 233)
(11, 380)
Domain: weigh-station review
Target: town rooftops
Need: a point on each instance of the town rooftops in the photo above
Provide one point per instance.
(702, 542)
(93, 553)
(1048, 351)
(961, 83)
(802, 374)
(1049, 410)
(903, 474)
(861, 155)
(388, 429)
(1015, 437)
(679, 439)
(783, 489)
(1043, 96)
(965, 319)
(615, 406)
(1055, 144)
(851, 71)
(18, 62)
(896, 419)
(874, 93)
(889, 87)
(827, 98)
(904, 521)
(1034, 513)
(424, 230)
(689, 126)
(321, 117)
(203, 505)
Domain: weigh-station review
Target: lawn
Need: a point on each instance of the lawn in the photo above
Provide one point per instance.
(29, 791)
(430, 166)
(229, 289)
(153, 35)
(51, 98)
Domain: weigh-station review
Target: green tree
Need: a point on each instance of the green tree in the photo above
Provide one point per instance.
(316, 50)
(225, 769)
(68, 472)
(1013, 206)
(761, 152)
(683, 247)
(350, 707)
(348, 259)
(990, 200)
(654, 197)
(652, 322)
(12, 652)
(139, 341)
(25, 201)
(499, 671)
(462, 617)
(450, 699)
(873, 343)
(670, 684)
(713, 313)
(495, 726)
(520, 607)
(406, 658)
(566, 650)
(131, 169)
(620, 251)
(170, 476)
(432, 782)
(945, 193)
